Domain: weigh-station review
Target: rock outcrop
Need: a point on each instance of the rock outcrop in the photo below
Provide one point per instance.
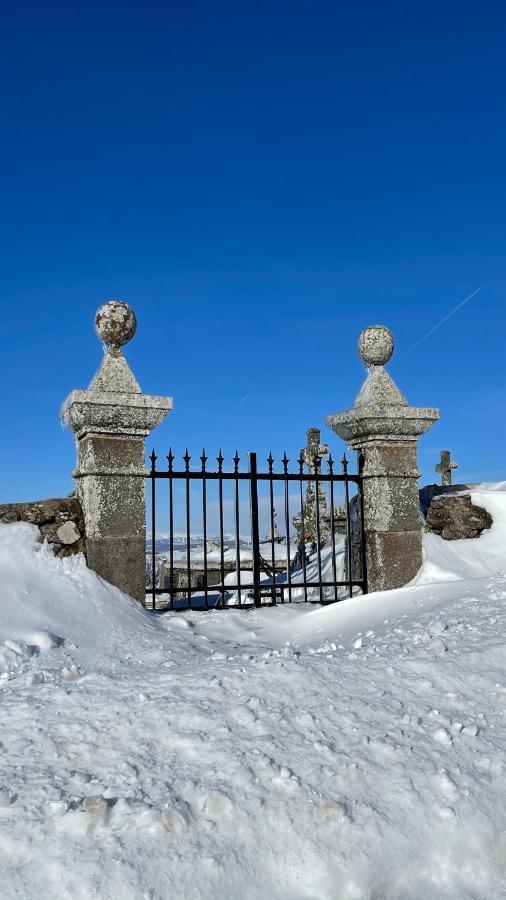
(429, 491)
(60, 521)
(455, 517)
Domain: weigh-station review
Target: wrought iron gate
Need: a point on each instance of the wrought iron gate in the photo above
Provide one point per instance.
(323, 562)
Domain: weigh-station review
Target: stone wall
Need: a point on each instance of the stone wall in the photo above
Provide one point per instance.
(60, 521)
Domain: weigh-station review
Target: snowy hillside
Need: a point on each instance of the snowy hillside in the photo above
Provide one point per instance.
(352, 752)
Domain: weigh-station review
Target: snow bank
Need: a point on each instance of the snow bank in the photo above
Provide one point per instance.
(353, 752)
(41, 595)
(486, 555)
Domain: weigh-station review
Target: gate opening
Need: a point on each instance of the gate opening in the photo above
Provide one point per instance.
(206, 551)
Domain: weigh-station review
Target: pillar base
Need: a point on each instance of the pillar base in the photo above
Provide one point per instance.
(393, 558)
(121, 561)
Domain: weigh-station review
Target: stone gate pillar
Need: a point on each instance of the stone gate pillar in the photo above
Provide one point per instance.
(385, 431)
(110, 421)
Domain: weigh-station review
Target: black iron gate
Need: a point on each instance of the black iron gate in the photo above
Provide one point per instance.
(320, 558)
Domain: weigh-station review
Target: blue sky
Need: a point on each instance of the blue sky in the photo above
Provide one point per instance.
(260, 181)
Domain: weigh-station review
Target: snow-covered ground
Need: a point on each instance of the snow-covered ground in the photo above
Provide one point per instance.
(352, 752)
(230, 554)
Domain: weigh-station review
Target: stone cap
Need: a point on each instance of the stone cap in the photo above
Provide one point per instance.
(380, 413)
(379, 389)
(373, 424)
(92, 412)
(114, 402)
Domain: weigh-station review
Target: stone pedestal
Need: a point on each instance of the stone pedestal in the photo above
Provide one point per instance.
(111, 421)
(385, 431)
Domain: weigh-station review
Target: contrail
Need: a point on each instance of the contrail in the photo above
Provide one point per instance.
(443, 320)
(243, 401)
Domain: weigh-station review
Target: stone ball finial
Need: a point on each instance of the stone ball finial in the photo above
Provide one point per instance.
(376, 345)
(115, 324)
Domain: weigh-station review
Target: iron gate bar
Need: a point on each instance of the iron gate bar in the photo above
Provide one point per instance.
(302, 548)
(187, 458)
(270, 463)
(237, 528)
(287, 529)
(317, 463)
(255, 537)
(170, 459)
(261, 476)
(259, 588)
(204, 520)
(332, 526)
(222, 551)
(153, 528)
(344, 464)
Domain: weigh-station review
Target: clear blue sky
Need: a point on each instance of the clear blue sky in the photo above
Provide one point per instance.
(260, 181)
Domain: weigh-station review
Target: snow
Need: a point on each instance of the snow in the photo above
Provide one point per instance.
(351, 752)
(230, 554)
(450, 560)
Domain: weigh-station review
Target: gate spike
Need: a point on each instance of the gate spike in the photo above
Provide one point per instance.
(285, 461)
(187, 458)
(344, 463)
(170, 458)
(203, 459)
(236, 461)
(153, 459)
(270, 461)
(220, 459)
(330, 463)
(301, 460)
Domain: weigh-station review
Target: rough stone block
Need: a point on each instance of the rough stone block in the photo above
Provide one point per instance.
(457, 517)
(60, 521)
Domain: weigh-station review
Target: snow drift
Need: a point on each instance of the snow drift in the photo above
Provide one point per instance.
(352, 752)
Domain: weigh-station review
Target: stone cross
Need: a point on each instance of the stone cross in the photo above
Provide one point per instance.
(446, 467)
(314, 451)
(110, 421)
(385, 431)
(312, 456)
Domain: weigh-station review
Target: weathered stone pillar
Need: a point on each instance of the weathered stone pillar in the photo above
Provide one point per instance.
(385, 430)
(111, 421)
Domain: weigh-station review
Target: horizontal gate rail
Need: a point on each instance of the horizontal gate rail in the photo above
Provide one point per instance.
(261, 476)
(249, 583)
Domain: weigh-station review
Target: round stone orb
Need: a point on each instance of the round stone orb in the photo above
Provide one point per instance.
(376, 345)
(115, 323)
